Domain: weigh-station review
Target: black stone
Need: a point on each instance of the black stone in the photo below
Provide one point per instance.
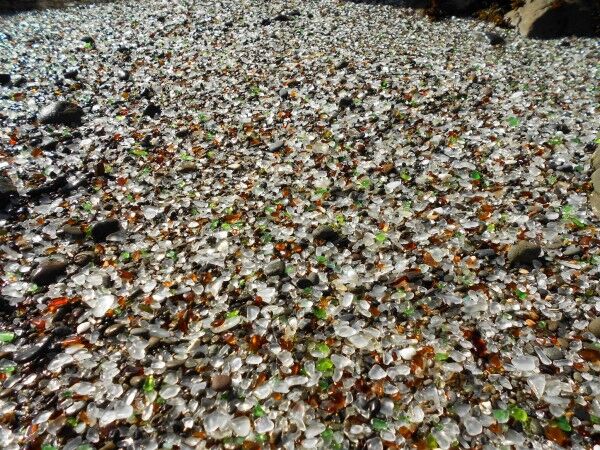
(61, 113)
(71, 73)
(48, 187)
(345, 102)
(33, 352)
(101, 230)
(48, 272)
(494, 38)
(326, 233)
(4, 79)
(152, 110)
(311, 280)
(123, 75)
(7, 191)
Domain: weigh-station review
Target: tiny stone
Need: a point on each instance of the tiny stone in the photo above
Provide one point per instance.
(71, 73)
(220, 382)
(494, 38)
(151, 110)
(123, 75)
(326, 233)
(32, 352)
(7, 191)
(311, 280)
(275, 268)
(72, 232)
(524, 252)
(101, 230)
(61, 113)
(277, 145)
(345, 102)
(594, 327)
(4, 79)
(81, 259)
(188, 167)
(49, 271)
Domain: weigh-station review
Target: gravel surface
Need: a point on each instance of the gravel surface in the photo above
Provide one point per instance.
(295, 224)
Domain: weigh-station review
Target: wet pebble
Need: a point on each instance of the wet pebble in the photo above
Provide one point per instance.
(310, 280)
(7, 191)
(220, 383)
(61, 113)
(594, 327)
(49, 271)
(32, 352)
(326, 233)
(524, 252)
(275, 268)
(83, 258)
(101, 230)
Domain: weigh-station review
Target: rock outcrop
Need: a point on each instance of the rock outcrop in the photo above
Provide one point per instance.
(547, 19)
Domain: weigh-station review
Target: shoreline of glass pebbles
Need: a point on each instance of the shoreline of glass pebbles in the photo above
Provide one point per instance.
(316, 201)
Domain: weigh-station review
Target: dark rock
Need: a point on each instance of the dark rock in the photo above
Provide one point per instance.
(7, 191)
(123, 75)
(284, 93)
(342, 64)
(87, 39)
(311, 280)
(48, 187)
(524, 252)
(494, 38)
(220, 383)
(49, 271)
(326, 233)
(277, 145)
(345, 102)
(72, 232)
(101, 230)
(49, 144)
(61, 113)
(265, 22)
(19, 80)
(152, 110)
(4, 79)
(563, 128)
(32, 352)
(61, 331)
(544, 19)
(188, 167)
(147, 93)
(282, 18)
(275, 268)
(594, 327)
(581, 413)
(71, 73)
